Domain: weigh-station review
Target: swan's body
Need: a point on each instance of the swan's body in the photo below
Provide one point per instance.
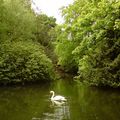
(57, 103)
(57, 98)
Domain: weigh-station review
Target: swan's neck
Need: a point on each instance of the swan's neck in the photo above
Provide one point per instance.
(53, 94)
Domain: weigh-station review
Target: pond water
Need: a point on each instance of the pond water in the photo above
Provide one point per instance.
(83, 103)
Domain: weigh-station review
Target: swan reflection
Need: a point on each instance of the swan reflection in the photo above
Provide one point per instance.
(60, 110)
(57, 111)
(57, 103)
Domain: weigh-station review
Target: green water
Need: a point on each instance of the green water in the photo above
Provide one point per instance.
(83, 103)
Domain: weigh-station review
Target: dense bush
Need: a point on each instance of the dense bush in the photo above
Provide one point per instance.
(23, 62)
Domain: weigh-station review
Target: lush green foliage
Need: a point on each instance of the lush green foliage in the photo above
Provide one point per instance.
(22, 58)
(95, 31)
(24, 61)
(45, 33)
(17, 22)
(63, 49)
(44, 24)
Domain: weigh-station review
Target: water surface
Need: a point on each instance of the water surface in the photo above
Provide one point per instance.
(83, 103)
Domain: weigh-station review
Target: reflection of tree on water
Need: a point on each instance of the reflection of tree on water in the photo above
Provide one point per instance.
(57, 111)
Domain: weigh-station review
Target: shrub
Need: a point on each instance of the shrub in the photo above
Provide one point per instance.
(24, 62)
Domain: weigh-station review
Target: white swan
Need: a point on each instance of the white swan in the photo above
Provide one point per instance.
(57, 98)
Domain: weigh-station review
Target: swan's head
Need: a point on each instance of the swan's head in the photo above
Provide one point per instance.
(51, 92)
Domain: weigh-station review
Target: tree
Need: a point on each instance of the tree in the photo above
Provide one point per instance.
(63, 49)
(17, 21)
(44, 25)
(95, 28)
(22, 58)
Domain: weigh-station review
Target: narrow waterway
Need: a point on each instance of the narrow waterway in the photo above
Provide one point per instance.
(83, 103)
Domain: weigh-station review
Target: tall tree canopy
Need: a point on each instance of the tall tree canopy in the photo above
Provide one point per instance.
(94, 27)
(17, 20)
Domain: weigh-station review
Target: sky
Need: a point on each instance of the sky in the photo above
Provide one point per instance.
(51, 7)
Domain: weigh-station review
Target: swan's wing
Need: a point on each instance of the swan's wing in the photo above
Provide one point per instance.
(59, 98)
